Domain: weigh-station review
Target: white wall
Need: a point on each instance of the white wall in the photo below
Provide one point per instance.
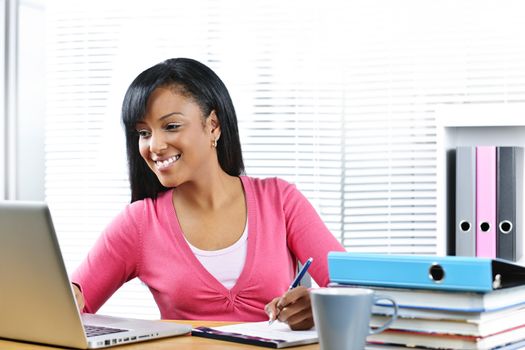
(22, 107)
(30, 121)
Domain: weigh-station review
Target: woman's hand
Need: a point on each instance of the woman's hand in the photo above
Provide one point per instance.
(293, 307)
(79, 297)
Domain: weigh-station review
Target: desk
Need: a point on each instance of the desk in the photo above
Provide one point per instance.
(183, 342)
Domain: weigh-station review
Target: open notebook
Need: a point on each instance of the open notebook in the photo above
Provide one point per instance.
(277, 335)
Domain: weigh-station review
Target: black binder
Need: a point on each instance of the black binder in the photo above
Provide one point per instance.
(509, 202)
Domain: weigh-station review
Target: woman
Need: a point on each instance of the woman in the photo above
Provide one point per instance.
(209, 242)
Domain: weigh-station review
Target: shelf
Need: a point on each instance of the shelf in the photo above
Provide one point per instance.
(481, 115)
(471, 125)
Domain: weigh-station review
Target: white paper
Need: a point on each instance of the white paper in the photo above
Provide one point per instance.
(277, 330)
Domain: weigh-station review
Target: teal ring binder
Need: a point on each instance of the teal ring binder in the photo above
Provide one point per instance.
(424, 271)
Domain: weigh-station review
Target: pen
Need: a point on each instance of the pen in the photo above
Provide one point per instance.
(297, 279)
(301, 274)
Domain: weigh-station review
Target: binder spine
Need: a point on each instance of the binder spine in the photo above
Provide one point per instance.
(506, 203)
(465, 228)
(486, 201)
(520, 159)
(509, 196)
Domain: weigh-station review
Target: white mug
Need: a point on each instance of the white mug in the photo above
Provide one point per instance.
(342, 316)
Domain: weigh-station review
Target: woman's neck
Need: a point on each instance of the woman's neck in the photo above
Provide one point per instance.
(210, 193)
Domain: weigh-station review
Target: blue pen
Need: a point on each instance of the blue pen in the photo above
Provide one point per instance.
(297, 279)
(301, 274)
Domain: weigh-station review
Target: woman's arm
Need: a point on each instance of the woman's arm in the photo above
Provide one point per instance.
(111, 262)
(307, 236)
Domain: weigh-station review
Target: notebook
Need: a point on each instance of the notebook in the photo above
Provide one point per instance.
(36, 298)
(277, 335)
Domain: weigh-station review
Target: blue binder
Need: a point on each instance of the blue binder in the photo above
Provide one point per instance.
(424, 271)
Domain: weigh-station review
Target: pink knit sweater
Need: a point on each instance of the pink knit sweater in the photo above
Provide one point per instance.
(146, 241)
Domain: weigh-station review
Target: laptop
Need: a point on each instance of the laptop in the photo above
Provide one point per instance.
(37, 303)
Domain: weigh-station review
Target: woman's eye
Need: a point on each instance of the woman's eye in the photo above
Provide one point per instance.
(143, 133)
(172, 126)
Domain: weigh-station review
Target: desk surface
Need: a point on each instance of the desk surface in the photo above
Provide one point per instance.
(184, 342)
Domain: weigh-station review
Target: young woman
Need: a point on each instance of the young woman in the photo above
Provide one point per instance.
(208, 241)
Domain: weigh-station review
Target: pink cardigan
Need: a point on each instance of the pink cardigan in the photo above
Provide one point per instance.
(146, 241)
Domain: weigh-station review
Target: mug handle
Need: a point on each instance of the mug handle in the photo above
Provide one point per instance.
(393, 317)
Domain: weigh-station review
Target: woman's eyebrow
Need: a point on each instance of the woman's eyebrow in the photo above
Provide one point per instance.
(170, 114)
(142, 122)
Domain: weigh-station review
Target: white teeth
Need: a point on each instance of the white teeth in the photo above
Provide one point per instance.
(165, 163)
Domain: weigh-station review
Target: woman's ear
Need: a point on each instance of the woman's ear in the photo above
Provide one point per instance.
(214, 125)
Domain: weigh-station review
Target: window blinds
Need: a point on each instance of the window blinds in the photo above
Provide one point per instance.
(338, 98)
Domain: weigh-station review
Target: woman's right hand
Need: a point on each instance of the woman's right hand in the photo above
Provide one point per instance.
(79, 297)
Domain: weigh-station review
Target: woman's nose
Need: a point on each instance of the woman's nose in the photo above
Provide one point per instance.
(157, 144)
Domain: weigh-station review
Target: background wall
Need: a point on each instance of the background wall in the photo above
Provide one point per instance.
(22, 99)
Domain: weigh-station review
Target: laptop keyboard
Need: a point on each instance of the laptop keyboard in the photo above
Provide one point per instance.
(93, 331)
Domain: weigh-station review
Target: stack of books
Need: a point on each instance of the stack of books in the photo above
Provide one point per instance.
(484, 310)
(452, 320)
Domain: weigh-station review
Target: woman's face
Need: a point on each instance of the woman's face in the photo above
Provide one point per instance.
(174, 138)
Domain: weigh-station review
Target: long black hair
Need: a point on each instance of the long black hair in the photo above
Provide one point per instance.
(193, 79)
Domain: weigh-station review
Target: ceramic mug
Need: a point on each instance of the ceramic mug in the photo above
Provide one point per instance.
(342, 316)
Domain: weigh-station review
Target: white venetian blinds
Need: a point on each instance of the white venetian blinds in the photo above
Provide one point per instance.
(336, 96)
(405, 63)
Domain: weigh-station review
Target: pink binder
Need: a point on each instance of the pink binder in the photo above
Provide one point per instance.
(486, 201)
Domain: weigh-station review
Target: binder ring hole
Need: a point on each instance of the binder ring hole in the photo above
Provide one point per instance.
(505, 226)
(436, 273)
(464, 226)
(484, 226)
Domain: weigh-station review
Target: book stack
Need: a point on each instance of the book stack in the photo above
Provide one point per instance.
(483, 310)
(453, 320)
(489, 202)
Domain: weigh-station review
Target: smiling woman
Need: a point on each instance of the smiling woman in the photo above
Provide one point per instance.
(198, 233)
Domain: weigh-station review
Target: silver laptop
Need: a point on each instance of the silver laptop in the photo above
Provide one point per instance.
(37, 303)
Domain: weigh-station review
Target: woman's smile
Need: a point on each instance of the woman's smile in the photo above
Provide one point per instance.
(164, 164)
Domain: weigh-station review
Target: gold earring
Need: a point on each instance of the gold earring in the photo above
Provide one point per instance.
(215, 142)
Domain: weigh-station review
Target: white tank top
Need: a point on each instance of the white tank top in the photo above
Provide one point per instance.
(225, 264)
